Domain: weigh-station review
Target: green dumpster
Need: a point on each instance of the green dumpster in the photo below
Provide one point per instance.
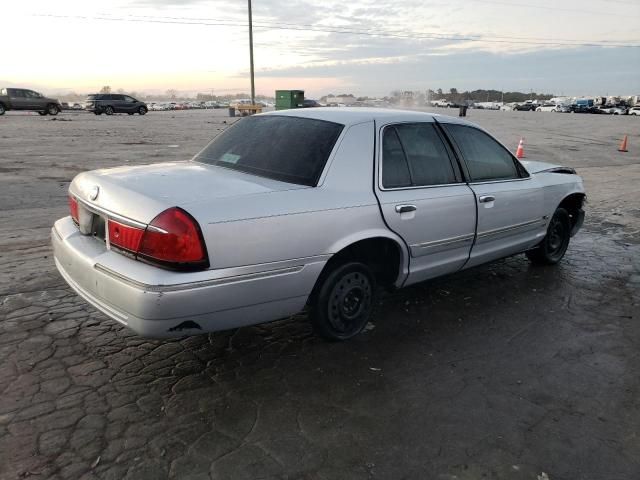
(286, 99)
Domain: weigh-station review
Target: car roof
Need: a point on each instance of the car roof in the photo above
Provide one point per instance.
(352, 116)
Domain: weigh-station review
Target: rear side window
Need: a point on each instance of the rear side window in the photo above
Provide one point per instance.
(16, 93)
(486, 159)
(93, 97)
(395, 169)
(415, 155)
(288, 149)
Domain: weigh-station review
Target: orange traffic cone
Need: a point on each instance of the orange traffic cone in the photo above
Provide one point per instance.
(623, 145)
(520, 151)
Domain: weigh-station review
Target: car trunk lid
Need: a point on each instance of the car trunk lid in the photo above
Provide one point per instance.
(140, 193)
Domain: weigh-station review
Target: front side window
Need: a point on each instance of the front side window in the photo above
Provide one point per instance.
(486, 159)
(129, 99)
(288, 149)
(413, 154)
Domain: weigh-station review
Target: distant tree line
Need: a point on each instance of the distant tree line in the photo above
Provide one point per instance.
(396, 97)
(485, 96)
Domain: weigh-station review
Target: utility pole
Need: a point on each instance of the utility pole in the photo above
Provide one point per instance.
(253, 88)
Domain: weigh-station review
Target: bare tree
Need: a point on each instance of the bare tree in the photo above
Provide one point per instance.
(105, 89)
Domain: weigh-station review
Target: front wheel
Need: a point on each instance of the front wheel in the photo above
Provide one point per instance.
(52, 109)
(42, 113)
(555, 243)
(142, 110)
(344, 301)
(2, 109)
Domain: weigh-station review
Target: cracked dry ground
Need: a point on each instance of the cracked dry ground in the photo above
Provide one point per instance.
(502, 372)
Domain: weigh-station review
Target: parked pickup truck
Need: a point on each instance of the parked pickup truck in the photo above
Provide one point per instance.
(23, 99)
(313, 207)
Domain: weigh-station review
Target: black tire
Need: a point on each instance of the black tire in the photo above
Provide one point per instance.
(97, 112)
(2, 109)
(52, 109)
(142, 110)
(555, 243)
(42, 113)
(344, 301)
(130, 113)
(108, 110)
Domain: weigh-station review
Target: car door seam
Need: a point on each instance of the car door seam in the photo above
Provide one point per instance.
(375, 194)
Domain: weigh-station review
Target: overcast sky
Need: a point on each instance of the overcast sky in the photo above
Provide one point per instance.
(375, 46)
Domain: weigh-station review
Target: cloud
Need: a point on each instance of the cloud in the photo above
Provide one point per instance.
(568, 71)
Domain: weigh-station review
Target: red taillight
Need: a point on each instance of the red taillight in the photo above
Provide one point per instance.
(125, 237)
(73, 208)
(174, 237)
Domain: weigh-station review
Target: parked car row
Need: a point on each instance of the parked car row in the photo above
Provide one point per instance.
(580, 107)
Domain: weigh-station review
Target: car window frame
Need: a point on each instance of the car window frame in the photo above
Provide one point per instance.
(522, 172)
(458, 174)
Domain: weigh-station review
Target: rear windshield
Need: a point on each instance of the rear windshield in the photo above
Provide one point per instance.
(288, 149)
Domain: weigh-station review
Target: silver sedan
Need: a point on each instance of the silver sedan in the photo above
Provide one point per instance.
(313, 208)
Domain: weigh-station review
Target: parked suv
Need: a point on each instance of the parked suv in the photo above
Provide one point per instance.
(23, 99)
(110, 103)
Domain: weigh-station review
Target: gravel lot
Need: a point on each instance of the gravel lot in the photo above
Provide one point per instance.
(505, 371)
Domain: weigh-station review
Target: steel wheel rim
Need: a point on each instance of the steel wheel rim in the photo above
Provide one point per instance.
(350, 298)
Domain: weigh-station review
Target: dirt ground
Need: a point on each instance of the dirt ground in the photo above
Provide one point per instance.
(505, 371)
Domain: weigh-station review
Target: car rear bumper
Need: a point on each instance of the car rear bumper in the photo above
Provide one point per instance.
(158, 303)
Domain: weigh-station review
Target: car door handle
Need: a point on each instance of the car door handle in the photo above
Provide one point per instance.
(406, 208)
(486, 198)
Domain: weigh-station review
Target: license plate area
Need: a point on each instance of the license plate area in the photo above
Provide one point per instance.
(99, 227)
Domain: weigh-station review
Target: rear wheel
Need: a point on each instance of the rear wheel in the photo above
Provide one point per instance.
(344, 301)
(142, 111)
(555, 243)
(42, 113)
(108, 110)
(2, 109)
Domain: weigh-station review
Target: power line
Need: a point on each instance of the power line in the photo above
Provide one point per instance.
(266, 23)
(555, 9)
(350, 31)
